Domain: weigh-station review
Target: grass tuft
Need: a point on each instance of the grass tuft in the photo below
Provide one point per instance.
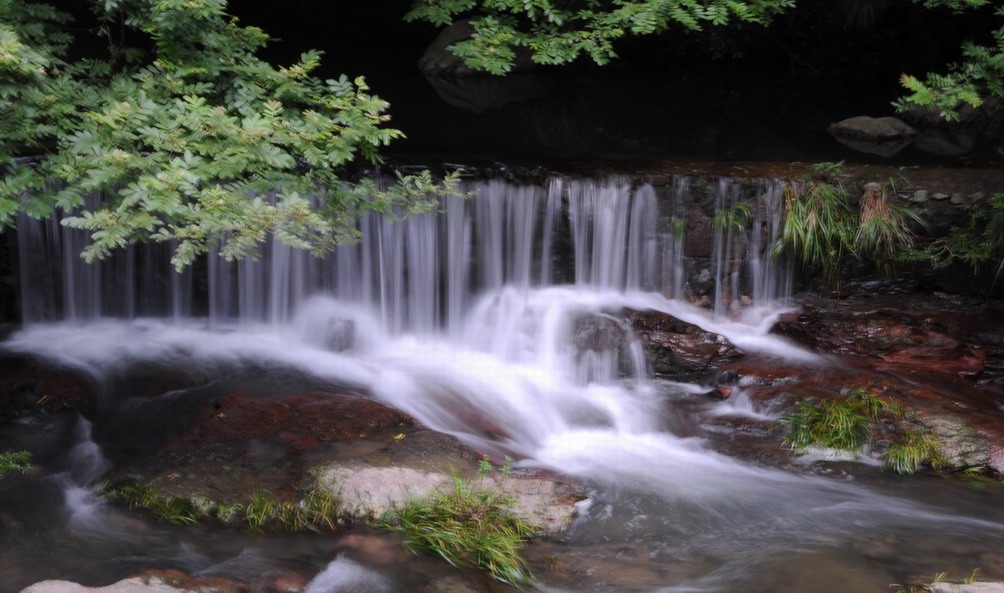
(15, 462)
(838, 424)
(470, 525)
(884, 231)
(262, 512)
(912, 451)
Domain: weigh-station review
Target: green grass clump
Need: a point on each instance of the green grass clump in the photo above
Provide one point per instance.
(470, 525)
(838, 424)
(15, 462)
(912, 451)
(884, 234)
(849, 423)
(260, 513)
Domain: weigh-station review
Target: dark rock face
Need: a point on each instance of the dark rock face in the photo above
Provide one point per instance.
(27, 386)
(936, 333)
(678, 349)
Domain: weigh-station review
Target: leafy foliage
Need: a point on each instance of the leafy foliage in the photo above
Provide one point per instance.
(189, 137)
(980, 71)
(470, 525)
(560, 32)
(978, 242)
(15, 461)
(822, 228)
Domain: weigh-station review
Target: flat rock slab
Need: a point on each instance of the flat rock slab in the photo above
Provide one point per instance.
(970, 588)
(373, 491)
(141, 584)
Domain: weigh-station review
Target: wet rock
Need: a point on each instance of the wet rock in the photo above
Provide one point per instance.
(678, 349)
(919, 196)
(372, 456)
(891, 334)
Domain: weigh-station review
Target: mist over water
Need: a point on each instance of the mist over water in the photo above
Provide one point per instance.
(478, 309)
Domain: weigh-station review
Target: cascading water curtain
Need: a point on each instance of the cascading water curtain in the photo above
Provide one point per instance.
(421, 274)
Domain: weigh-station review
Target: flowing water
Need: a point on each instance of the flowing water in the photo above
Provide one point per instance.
(477, 307)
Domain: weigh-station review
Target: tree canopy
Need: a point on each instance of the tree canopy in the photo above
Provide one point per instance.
(184, 133)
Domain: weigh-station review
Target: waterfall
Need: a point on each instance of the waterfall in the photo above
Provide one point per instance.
(421, 274)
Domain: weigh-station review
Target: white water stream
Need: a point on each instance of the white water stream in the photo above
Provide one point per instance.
(476, 308)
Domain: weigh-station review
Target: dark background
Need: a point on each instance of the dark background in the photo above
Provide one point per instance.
(729, 94)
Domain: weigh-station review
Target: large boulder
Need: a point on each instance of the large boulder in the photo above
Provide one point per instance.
(370, 456)
(882, 136)
(677, 349)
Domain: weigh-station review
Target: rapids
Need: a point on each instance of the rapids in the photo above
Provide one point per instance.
(476, 308)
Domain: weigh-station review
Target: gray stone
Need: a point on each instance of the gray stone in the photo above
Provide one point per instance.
(957, 198)
(882, 136)
(939, 196)
(919, 196)
(873, 186)
(960, 444)
(133, 585)
(872, 129)
(976, 197)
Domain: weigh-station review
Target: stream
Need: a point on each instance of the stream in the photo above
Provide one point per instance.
(479, 308)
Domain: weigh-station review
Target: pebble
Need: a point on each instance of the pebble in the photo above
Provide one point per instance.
(940, 196)
(957, 198)
(919, 196)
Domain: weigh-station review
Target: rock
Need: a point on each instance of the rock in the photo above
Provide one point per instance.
(882, 136)
(939, 196)
(957, 198)
(153, 582)
(919, 196)
(960, 444)
(678, 349)
(963, 588)
(873, 186)
(370, 492)
(887, 334)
